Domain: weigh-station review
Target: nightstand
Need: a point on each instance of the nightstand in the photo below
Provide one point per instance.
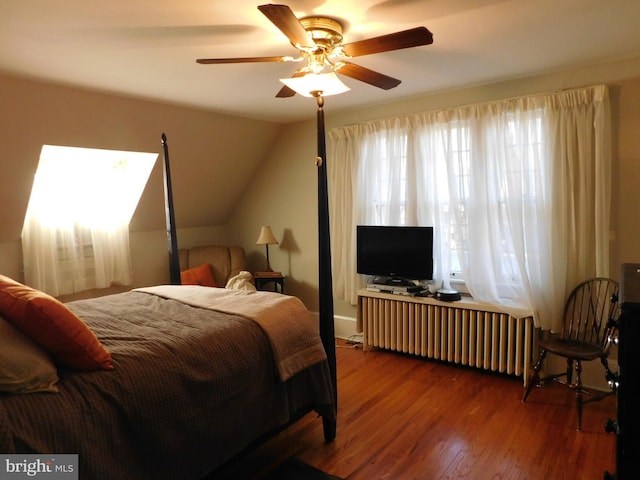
(262, 279)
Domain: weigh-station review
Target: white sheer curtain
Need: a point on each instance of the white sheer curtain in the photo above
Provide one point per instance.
(518, 192)
(75, 235)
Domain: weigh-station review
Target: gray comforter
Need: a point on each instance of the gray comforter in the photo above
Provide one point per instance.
(190, 389)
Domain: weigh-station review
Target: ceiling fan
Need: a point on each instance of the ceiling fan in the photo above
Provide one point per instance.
(319, 41)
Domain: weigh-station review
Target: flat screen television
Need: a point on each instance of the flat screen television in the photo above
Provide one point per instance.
(395, 252)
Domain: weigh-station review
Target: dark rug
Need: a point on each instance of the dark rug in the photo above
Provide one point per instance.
(294, 469)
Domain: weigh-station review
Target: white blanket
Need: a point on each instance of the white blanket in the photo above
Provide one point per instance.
(286, 321)
(241, 281)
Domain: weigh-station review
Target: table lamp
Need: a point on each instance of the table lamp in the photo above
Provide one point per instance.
(267, 238)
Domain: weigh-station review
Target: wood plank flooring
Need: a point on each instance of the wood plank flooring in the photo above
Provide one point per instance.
(404, 418)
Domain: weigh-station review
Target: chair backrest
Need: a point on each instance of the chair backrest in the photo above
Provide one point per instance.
(225, 261)
(588, 310)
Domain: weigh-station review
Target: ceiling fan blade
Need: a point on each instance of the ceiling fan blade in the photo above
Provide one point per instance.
(244, 60)
(413, 37)
(367, 76)
(283, 18)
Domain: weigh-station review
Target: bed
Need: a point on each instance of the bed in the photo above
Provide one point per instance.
(194, 380)
(177, 380)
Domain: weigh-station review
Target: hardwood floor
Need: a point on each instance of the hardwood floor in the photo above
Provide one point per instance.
(404, 418)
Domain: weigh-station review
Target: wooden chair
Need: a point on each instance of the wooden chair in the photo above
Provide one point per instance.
(588, 330)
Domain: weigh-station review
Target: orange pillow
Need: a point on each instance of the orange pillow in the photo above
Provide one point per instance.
(201, 275)
(53, 326)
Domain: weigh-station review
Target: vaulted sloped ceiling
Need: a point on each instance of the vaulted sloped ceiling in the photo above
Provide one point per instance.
(148, 49)
(145, 54)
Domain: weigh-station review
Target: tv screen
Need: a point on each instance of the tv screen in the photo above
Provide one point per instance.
(399, 252)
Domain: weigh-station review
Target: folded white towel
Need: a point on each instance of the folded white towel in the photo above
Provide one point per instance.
(241, 281)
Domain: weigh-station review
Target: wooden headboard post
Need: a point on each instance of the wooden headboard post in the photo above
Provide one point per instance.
(174, 259)
(325, 281)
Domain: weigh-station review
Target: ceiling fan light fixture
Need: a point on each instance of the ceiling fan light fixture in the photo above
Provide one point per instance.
(319, 41)
(316, 63)
(325, 83)
(324, 31)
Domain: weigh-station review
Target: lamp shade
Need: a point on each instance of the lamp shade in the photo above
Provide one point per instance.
(266, 237)
(325, 83)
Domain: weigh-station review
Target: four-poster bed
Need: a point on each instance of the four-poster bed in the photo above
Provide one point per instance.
(325, 283)
(199, 374)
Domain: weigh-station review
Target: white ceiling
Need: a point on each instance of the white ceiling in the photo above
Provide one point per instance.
(148, 48)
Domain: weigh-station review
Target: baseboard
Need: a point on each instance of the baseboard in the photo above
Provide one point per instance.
(345, 327)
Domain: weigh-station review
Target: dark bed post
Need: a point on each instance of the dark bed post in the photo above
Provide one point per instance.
(174, 259)
(325, 282)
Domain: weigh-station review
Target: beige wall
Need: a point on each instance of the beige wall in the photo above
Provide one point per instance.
(211, 163)
(282, 194)
(226, 187)
(283, 190)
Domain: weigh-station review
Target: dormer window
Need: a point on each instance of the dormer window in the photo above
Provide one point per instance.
(75, 235)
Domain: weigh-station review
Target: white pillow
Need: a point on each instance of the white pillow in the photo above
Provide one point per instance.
(24, 366)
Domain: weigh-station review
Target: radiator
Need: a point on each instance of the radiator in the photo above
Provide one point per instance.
(452, 332)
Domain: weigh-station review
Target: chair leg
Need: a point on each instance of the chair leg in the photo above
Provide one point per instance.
(534, 378)
(569, 371)
(578, 387)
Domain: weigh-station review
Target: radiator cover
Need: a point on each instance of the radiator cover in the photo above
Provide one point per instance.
(465, 332)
